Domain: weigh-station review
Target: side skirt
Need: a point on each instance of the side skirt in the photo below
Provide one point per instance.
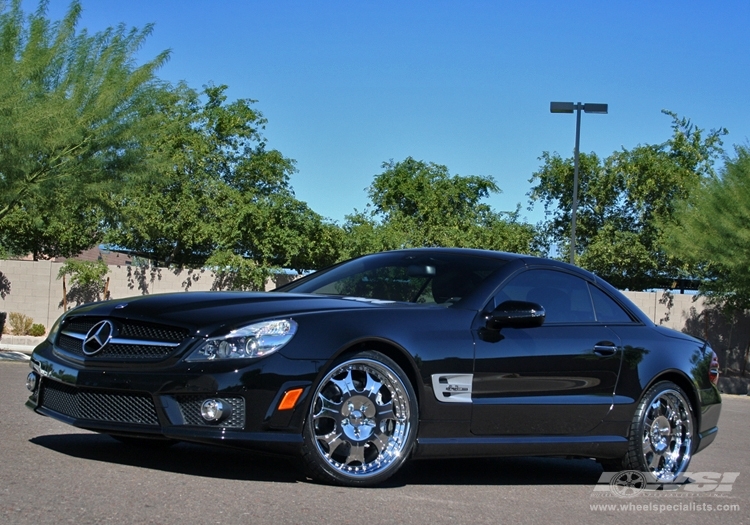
(475, 447)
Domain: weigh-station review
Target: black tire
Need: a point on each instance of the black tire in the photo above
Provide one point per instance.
(661, 434)
(362, 422)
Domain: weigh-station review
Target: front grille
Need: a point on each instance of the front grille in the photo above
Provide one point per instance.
(131, 340)
(190, 407)
(152, 333)
(80, 326)
(70, 344)
(93, 405)
(115, 351)
(130, 329)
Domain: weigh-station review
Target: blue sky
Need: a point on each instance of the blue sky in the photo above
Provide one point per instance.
(347, 85)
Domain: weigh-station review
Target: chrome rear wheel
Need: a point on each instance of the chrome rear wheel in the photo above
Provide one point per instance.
(661, 441)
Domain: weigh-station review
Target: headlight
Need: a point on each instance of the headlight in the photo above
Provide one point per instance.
(254, 340)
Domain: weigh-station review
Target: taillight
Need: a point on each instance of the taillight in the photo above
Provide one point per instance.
(713, 369)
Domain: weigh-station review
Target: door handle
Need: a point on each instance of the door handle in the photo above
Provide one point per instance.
(605, 349)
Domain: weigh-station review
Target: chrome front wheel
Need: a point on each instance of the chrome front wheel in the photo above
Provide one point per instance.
(362, 421)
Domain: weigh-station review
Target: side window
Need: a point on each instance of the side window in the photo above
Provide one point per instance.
(607, 310)
(565, 297)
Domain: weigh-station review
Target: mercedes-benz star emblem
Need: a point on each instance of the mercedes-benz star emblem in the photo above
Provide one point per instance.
(98, 337)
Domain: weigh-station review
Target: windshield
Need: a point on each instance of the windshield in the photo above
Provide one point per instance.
(440, 278)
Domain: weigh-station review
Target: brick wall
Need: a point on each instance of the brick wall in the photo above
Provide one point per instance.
(670, 310)
(30, 290)
(35, 290)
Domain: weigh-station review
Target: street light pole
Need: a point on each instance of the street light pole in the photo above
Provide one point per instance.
(569, 107)
(574, 209)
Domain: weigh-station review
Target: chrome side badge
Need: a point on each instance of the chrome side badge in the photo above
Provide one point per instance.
(452, 388)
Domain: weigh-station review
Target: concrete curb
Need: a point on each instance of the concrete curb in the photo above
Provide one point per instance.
(20, 343)
(24, 349)
(7, 355)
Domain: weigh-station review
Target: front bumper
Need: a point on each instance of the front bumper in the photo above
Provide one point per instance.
(164, 402)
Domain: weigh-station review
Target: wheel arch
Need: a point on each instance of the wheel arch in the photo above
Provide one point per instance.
(680, 379)
(392, 351)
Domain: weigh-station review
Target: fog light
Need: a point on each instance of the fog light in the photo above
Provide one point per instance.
(31, 381)
(214, 410)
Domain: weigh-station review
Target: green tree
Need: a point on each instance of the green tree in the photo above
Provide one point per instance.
(73, 106)
(87, 282)
(623, 201)
(414, 203)
(710, 230)
(235, 272)
(204, 152)
(279, 231)
(59, 219)
(218, 196)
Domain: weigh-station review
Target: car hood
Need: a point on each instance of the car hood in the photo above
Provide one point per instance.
(203, 313)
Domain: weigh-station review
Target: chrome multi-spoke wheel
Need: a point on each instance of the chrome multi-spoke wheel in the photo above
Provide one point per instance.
(662, 437)
(362, 421)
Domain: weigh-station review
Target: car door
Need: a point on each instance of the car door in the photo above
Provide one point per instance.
(555, 379)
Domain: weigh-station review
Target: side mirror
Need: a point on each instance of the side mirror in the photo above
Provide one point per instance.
(516, 314)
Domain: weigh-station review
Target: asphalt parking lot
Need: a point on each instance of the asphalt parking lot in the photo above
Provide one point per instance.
(53, 473)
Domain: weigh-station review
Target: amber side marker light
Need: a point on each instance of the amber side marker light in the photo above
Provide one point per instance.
(290, 399)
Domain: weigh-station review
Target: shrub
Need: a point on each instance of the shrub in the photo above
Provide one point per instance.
(37, 330)
(87, 282)
(20, 324)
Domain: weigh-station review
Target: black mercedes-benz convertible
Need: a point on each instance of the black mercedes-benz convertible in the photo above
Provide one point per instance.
(409, 354)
